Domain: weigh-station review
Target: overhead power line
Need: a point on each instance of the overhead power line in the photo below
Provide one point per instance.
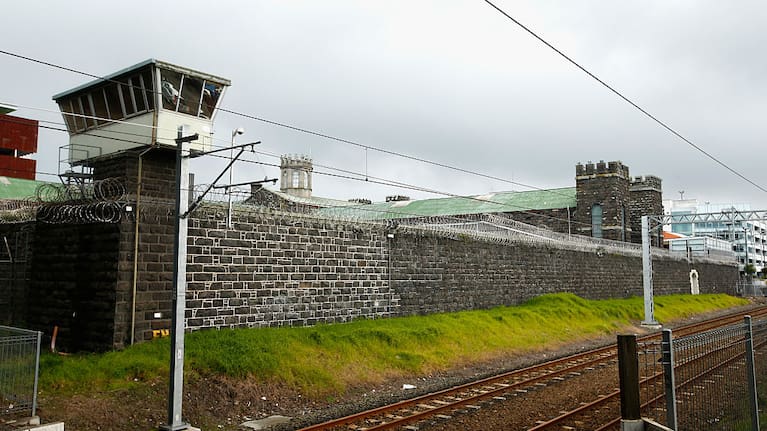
(296, 128)
(380, 150)
(358, 176)
(626, 99)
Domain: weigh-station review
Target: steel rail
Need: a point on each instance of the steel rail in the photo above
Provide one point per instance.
(424, 399)
(427, 401)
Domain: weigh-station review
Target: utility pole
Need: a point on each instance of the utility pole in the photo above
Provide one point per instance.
(176, 384)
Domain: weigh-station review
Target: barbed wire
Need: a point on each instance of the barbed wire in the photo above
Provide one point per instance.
(99, 212)
(100, 201)
(103, 201)
(108, 189)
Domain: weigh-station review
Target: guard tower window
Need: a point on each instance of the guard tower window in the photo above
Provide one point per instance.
(296, 179)
(127, 91)
(113, 102)
(210, 94)
(596, 221)
(189, 95)
(100, 105)
(66, 108)
(87, 109)
(171, 89)
(143, 95)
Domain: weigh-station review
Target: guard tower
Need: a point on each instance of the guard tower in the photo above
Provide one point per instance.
(135, 107)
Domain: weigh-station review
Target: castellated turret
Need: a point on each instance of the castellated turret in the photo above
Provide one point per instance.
(646, 199)
(296, 175)
(602, 194)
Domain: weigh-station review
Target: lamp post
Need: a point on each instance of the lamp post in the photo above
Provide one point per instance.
(235, 132)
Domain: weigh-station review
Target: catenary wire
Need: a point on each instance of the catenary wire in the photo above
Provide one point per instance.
(382, 181)
(360, 177)
(296, 128)
(626, 99)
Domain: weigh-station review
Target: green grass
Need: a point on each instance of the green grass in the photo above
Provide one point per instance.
(326, 359)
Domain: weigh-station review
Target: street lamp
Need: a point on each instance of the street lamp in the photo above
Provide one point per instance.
(235, 132)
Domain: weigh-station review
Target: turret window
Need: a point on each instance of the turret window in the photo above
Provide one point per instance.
(596, 221)
(296, 183)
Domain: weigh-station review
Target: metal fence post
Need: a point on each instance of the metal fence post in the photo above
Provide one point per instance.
(37, 374)
(628, 372)
(667, 349)
(751, 374)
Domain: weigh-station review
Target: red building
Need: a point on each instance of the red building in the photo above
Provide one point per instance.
(18, 138)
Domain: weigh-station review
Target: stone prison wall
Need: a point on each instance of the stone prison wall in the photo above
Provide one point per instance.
(287, 270)
(275, 269)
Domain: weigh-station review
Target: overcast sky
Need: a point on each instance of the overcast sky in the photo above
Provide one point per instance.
(454, 82)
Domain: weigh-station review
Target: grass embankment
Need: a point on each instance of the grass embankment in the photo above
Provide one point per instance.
(326, 358)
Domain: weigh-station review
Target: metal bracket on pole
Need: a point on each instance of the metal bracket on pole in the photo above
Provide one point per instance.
(248, 183)
(176, 385)
(199, 199)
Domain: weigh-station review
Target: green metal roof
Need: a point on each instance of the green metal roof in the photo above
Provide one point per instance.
(313, 200)
(482, 204)
(17, 188)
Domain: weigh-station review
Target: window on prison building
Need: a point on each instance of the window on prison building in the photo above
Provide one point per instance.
(99, 106)
(210, 94)
(189, 95)
(133, 96)
(87, 111)
(624, 236)
(113, 102)
(71, 120)
(596, 221)
(171, 89)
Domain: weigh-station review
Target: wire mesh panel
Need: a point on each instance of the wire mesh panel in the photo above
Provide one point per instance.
(19, 362)
(759, 337)
(711, 380)
(651, 395)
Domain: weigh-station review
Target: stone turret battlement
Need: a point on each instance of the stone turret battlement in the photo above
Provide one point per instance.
(646, 182)
(602, 168)
(296, 159)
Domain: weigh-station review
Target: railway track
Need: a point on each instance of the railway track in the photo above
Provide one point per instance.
(444, 405)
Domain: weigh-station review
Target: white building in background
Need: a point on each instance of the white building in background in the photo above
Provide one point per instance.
(748, 239)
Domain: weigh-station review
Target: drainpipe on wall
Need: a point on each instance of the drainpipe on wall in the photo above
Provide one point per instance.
(135, 243)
